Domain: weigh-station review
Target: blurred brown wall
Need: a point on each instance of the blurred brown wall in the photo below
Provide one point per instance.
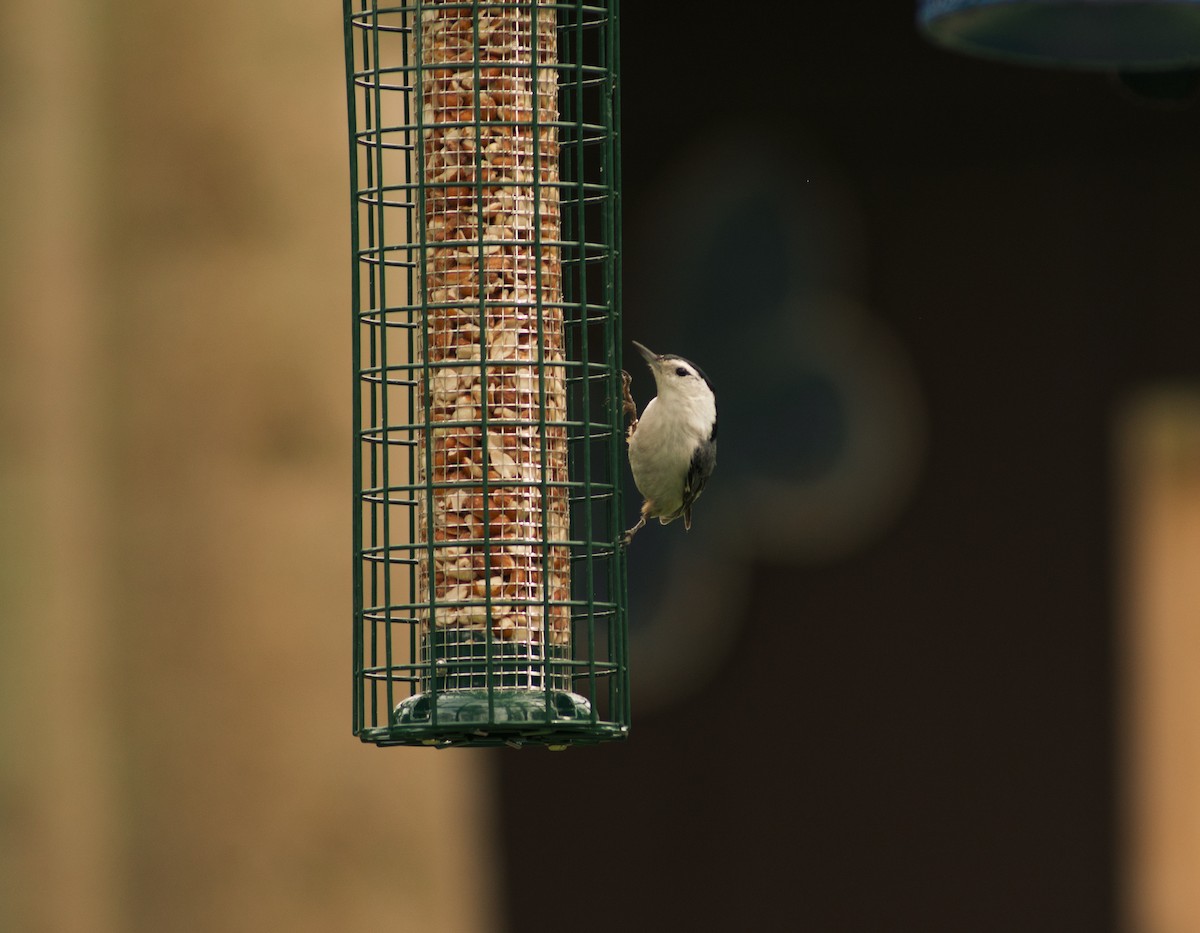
(174, 495)
(1159, 449)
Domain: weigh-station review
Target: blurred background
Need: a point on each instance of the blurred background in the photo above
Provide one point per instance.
(926, 660)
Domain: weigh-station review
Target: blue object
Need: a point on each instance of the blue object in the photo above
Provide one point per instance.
(1121, 35)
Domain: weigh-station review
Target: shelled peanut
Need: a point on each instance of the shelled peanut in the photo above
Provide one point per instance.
(496, 374)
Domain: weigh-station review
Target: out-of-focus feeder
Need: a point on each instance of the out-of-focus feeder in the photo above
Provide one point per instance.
(1154, 45)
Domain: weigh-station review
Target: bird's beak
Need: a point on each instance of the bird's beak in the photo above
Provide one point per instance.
(648, 355)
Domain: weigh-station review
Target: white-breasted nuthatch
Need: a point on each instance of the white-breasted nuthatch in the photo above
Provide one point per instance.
(673, 446)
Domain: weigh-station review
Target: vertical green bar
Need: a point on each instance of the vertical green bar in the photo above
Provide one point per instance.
(413, 236)
(379, 363)
(620, 583)
(428, 674)
(355, 350)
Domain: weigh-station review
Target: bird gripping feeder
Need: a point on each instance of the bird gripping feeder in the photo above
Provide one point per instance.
(489, 583)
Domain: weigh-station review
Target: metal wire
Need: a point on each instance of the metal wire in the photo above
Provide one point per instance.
(489, 585)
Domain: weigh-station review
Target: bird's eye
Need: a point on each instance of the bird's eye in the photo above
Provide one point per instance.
(681, 371)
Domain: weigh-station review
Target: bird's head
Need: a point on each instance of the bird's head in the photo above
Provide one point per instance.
(675, 376)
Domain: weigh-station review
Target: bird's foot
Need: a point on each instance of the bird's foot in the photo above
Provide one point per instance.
(628, 536)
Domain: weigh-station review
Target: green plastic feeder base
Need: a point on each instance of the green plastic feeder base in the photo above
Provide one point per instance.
(515, 717)
(509, 707)
(485, 692)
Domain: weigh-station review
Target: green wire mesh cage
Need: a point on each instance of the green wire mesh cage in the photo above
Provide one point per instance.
(489, 580)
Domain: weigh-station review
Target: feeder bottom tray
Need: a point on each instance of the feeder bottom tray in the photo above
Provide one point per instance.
(504, 716)
(509, 705)
(494, 693)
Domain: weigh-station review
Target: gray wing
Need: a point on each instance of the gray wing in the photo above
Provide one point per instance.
(699, 470)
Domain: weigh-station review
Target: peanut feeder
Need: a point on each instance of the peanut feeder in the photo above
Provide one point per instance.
(489, 584)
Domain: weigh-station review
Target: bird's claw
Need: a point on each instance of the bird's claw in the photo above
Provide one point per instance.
(628, 536)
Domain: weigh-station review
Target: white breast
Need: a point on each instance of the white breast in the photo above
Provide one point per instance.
(661, 449)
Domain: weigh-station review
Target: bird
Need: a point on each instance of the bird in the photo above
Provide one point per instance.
(673, 445)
